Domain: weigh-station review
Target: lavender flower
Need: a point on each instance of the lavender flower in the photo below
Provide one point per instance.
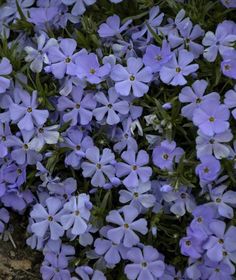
(98, 166)
(155, 57)
(88, 68)
(175, 70)
(79, 6)
(221, 243)
(125, 232)
(48, 218)
(194, 95)
(223, 200)
(5, 69)
(4, 218)
(230, 100)
(87, 273)
(26, 114)
(208, 169)
(112, 107)
(154, 21)
(134, 169)
(211, 117)
(138, 196)
(229, 3)
(81, 106)
(62, 58)
(22, 151)
(79, 142)
(166, 154)
(112, 252)
(112, 27)
(54, 267)
(228, 66)
(221, 41)
(207, 145)
(131, 78)
(145, 265)
(39, 56)
(76, 214)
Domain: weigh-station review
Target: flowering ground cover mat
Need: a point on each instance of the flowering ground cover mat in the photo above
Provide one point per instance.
(118, 139)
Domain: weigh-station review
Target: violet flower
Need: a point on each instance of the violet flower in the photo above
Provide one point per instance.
(145, 265)
(211, 117)
(81, 106)
(99, 166)
(132, 78)
(166, 154)
(76, 214)
(79, 142)
(112, 107)
(134, 168)
(155, 57)
(224, 201)
(127, 226)
(4, 218)
(176, 69)
(112, 27)
(26, 114)
(62, 58)
(48, 218)
(38, 56)
(79, 6)
(209, 168)
(5, 69)
(88, 67)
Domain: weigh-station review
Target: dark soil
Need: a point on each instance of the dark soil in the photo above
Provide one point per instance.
(20, 263)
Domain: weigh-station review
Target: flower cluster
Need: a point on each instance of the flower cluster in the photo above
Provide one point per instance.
(117, 136)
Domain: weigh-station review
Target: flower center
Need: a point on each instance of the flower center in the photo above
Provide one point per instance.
(212, 141)
(92, 71)
(29, 109)
(77, 106)
(132, 78)
(178, 69)
(50, 218)
(144, 264)
(206, 170)
(68, 60)
(134, 167)
(78, 147)
(227, 67)
(109, 106)
(126, 226)
(165, 156)
(183, 195)
(218, 200)
(221, 241)
(41, 130)
(198, 100)
(188, 242)
(211, 119)
(98, 165)
(126, 136)
(4, 138)
(19, 171)
(77, 213)
(199, 219)
(25, 146)
(136, 194)
(158, 58)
